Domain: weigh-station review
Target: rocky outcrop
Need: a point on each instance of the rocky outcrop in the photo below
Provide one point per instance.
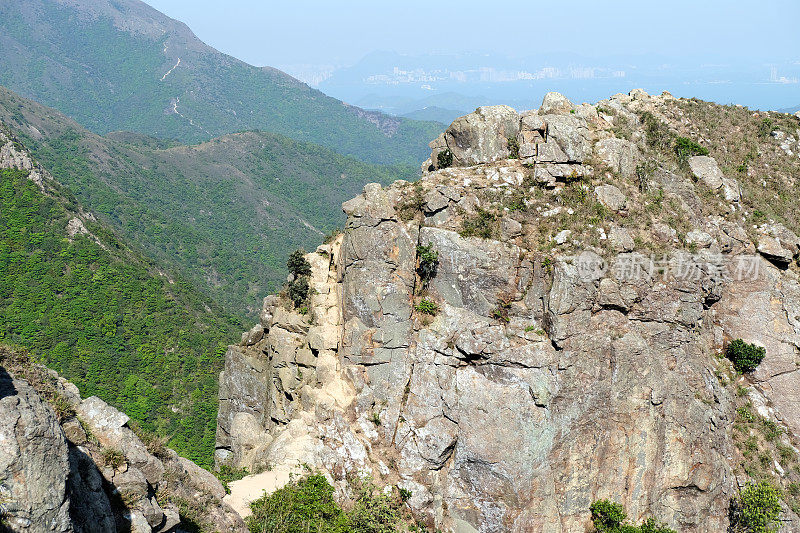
(557, 359)
(86, 471)
(33, 460)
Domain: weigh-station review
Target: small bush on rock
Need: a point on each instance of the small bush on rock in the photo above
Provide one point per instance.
(686, 148)
(427, 306)
(298, 265)
(745, 357)
(756, 510)
(656, 132)
(513, 148)
(444, 159)
(307, 505)
(300, 506)
(428, 263)
(300, 269)
(413, 204)
(299, 291)
(765, 127)
(113, 458)
(609, 517)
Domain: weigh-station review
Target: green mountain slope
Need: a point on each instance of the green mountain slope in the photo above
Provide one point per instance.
(122, 65)
(91, 308)
(225, 213)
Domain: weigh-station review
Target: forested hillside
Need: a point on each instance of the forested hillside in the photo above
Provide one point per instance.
(122, 65)
(89, 307)
(225, 213)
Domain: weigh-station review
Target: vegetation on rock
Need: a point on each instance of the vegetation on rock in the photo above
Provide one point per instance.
(744, 356)
(427, 307)
(513, 148)
(482, 224)
(756, 510)
(308, 504)
(428, 263)
(444, 159)
(299, 290)
(686, 148)
(610, 517)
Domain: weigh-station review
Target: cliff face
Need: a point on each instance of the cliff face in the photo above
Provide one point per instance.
(588, 276)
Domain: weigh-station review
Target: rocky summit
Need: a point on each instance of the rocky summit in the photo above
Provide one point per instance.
(541, 322)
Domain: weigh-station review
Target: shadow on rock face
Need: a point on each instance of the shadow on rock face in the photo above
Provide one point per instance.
(6, 384)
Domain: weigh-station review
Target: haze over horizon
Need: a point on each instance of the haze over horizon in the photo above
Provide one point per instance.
(393, 57)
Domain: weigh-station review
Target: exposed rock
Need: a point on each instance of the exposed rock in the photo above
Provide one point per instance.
(705, 169)
(482, 136)
(778, 244)
(562, 236)
(555, 104)
(544, 380)
(571, 134)
(253, 336)
(33, 460)
(611, 197)
(620, 155)
(621, 240)
(699, 238)
(56, 484)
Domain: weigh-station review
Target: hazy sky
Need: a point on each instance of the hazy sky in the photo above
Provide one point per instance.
(325, 32)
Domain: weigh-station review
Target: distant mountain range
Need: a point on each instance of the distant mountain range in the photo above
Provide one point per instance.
(226, 212)
(122, 65)
(790, 110)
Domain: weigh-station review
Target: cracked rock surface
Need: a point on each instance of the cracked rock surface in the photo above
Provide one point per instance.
(550, 377)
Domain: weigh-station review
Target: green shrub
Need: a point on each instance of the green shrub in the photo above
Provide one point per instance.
(745, 357)
(307, 506)
(299, 507)
(299, 291)
(427, 306)
(298, 265)
(513, 148)
(444, 158)
(756, 510)
(428, 263)
(609, 517)
(686, 148)
(482, 224)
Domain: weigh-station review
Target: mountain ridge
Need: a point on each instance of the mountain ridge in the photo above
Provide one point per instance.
(126, 66)
(86, 304)
(184, 205)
